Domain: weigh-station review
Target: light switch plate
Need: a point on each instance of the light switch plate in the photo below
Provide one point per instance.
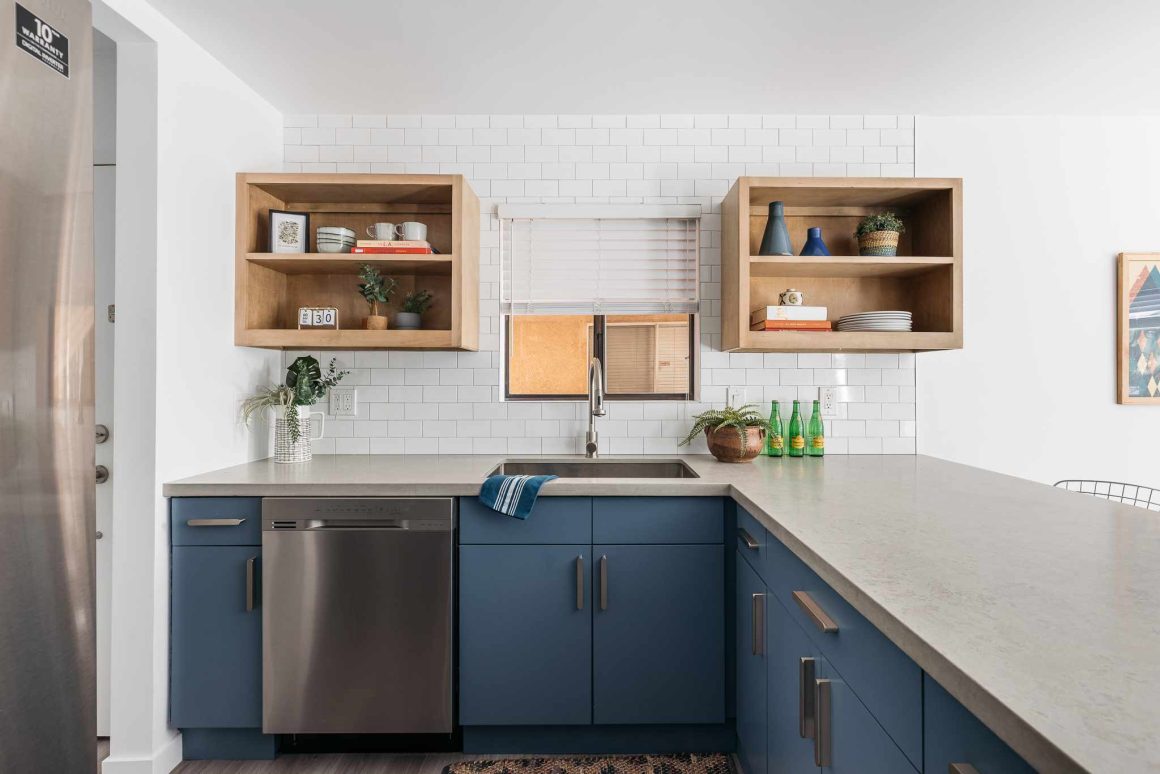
(736, 396)
(343, 402)
(829, 398)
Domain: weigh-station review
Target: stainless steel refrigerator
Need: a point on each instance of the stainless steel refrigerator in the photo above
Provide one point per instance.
(47, 684)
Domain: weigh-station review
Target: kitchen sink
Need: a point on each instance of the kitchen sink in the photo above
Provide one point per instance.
(597, 468)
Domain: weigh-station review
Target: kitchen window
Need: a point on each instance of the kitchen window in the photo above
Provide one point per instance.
(618, 283)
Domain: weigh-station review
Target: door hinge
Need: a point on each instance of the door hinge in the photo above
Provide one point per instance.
(112, 313)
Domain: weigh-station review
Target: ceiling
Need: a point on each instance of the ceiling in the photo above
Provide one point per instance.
(679, 56)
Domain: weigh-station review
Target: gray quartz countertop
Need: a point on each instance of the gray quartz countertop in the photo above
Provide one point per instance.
(1038, 609)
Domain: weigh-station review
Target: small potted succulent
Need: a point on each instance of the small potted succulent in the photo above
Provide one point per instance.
(414, 304)
(878, 234)
(376, 289)
(305, 384)
(733, 434)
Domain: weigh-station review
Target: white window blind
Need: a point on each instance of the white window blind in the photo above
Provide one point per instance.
(599, 259)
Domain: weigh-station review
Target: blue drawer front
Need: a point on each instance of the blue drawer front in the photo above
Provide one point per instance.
(954, 735)
(658, 520)
(749, 529)
(183, 510)
(882, 676)
(554, 520)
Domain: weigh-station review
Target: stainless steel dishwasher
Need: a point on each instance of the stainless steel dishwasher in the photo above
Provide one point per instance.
(356, 615)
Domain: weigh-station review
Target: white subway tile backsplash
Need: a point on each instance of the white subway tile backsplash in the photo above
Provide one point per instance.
(431, 402)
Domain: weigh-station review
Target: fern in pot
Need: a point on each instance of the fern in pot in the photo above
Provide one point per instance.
(733, 434)
(878, 234)
(414, 304)
(375, 289)
(305, 384)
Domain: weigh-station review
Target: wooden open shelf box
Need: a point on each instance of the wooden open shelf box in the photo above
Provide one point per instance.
(271, 287)
(926, 278)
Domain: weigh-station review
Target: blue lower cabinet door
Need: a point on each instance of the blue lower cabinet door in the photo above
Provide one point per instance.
(216, 638)
(793, 664)
(752, 649)
(525, 634)
(658, 634)
(954, 735)
(847, 738)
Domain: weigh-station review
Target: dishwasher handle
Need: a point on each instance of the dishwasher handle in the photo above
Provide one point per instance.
(400, 524)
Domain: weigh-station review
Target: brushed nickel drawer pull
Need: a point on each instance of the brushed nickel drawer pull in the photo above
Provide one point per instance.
(747, 539)
(579, 582)
(824, 727)
(214, 522)
(250, 583)
(806, 670)
(758, 624)
(815, 612)
(962, 768)
(604, 583)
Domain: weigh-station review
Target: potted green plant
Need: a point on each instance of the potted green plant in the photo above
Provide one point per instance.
(305, 384)
(414, 304)
(376, 289)
(878, 234)
(733, 434)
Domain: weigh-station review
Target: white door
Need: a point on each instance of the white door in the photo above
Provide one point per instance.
(104, 182)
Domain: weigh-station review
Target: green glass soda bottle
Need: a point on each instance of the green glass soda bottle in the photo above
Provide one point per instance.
(774, 433)
(817, 432)
(796, 435)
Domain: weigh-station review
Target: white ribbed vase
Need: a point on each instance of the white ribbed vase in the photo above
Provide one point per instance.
(287, 450)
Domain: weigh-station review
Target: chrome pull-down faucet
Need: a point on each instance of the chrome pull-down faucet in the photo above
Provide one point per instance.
(595, 406)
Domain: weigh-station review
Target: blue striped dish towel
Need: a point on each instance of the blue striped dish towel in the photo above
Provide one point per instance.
(512, 495)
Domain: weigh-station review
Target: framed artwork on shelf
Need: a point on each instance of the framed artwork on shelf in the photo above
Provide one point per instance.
(289, 231)
(1138, 348)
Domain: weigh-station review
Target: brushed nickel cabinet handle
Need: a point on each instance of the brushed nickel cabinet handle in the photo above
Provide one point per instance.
(758, 624)
(604, 583)
(214, 522)
(579, 582)
(747, 539)
(823, 726)
(807, 667)
(962, 768)
(250, 583)
(815, 612)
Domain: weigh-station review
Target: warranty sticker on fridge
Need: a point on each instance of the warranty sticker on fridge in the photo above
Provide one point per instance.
(41, 40)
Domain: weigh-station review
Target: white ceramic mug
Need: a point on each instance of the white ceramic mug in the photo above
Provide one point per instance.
(791, 297)
(381, 231)
(412, 231)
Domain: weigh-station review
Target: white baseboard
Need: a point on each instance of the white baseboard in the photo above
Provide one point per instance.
(162, 761)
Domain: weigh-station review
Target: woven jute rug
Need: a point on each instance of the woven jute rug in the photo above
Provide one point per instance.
(599, 764)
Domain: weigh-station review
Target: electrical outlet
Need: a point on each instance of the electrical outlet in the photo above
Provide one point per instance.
(829, 398)
(736, 396)
(343, 402)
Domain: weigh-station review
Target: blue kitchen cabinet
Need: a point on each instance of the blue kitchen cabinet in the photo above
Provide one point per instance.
(658, 634)
(857, 743)
(752, 648)
(789, 687)
(525, 635)
(954, 735)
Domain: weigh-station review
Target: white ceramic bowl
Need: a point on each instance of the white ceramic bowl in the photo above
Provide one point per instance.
(333, 247)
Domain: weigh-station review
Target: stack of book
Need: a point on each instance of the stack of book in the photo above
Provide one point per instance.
(391, 247)
(789, 318)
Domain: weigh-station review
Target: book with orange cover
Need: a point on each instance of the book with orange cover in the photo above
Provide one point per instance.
(391, 243)
(392, 251)
(792, 325)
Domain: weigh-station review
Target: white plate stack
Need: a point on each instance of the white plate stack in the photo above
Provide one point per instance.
(875, 321)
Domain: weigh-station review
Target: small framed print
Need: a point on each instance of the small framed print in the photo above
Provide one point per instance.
(318, 318)
(289, 231)
(1138, 355)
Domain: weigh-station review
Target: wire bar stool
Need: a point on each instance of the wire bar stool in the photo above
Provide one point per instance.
(1116, 491)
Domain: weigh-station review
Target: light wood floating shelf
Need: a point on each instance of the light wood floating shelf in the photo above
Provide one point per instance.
(270, 287)
(926, 278)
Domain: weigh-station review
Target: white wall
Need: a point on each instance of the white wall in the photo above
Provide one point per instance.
(449, 403)
(186, 125)
(1048, 203)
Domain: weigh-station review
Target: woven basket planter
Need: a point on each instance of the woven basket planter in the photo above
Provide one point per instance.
(727, 446)
(882, 243)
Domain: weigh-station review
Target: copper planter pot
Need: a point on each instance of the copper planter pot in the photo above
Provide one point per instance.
(727, 446)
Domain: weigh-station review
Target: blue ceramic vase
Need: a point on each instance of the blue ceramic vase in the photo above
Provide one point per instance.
(775, 240)
(814, 244)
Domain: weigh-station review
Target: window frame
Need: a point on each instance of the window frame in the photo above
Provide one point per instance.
(599, 322)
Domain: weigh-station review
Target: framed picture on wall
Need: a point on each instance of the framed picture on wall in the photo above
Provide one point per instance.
(289, 231)
(1138, 350)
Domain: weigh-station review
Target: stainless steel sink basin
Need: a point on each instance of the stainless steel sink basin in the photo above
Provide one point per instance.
(598, 468)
